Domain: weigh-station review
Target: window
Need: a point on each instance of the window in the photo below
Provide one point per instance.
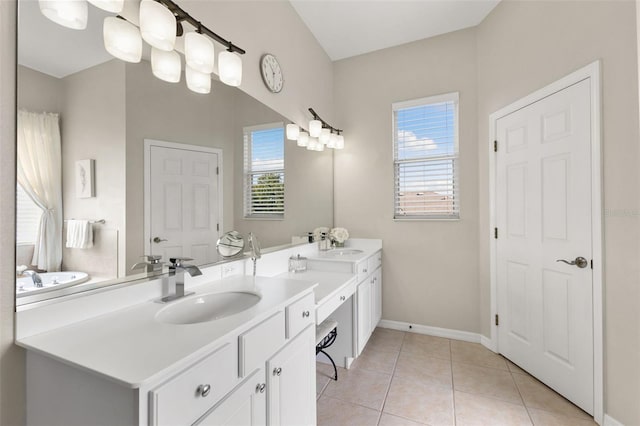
(264, 171)
(28, 216)
(425, 155)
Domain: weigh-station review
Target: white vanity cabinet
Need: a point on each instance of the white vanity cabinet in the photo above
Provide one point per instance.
(369, 297)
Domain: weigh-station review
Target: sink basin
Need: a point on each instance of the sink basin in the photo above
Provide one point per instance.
(343, 252)
(207, 307)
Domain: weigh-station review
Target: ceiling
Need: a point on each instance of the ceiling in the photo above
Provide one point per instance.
(346, 28)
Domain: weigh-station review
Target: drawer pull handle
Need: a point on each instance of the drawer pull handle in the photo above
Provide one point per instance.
(203, 390)
(277, 371)
(260, 387)
(305, 314)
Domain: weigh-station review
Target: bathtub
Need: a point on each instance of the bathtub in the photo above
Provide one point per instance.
(50, 281)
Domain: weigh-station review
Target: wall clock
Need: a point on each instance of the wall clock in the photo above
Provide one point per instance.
(271, 73)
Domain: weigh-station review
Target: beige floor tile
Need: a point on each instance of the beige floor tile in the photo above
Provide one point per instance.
(478, 410)
(321, 382)
(538, 395)
(384, 341)
(545, 418)
(358, 386)
(485, 381)
(376, 360)
(514, 368)
(389, 333)
(424, 369)
(334, 412)
(426, 403)
(389, 420)
(476, 354)
(431, 346)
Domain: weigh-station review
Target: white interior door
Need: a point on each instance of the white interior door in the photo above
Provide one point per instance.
(184, 203)
(543, 214)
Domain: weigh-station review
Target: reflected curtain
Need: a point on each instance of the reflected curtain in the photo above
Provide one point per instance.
(39, 170)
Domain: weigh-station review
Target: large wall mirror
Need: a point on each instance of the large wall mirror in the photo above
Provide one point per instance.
(154, 168)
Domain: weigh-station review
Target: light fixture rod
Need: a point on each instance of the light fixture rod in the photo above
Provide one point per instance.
(181, 15)
(324, 123)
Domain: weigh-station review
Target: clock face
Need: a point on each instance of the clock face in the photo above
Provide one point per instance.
(271, 73)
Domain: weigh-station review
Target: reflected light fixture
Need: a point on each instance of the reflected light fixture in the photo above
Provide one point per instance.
(157, 25)
(122, 39)
(230, 68)
(293, 132)
(313, 144)
(113, 6)
(340, 142)
(198, 52)
(303, 138)
(68, 13)
(328, 135)
(325, 136)
(315, 128)
(197, 81)
(166, 65)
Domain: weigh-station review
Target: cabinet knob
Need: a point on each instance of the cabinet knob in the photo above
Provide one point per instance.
(365, 270)
(277, 371)
(343, 298)
(260, 387)
(203, 390)
(305, 314)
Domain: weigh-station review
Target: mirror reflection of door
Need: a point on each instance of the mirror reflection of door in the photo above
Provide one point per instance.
(185, 201)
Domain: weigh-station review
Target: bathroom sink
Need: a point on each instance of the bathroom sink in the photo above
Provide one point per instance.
(207, 307)
(343, 252)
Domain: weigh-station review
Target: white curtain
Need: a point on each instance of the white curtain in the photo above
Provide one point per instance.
(39, 168)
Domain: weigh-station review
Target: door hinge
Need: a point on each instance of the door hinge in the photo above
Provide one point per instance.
(217, 226)
(497, 319)
(495, 233)
(591, 263)
(495, 146)
(217, 170)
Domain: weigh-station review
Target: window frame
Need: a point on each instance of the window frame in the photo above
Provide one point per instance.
(247, 174)
(396, 106)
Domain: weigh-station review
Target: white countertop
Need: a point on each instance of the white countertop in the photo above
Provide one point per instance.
(130, 347)
(329, 283)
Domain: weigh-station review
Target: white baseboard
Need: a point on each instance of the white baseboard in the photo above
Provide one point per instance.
(431, 331)
(610, 421)
(488, 343)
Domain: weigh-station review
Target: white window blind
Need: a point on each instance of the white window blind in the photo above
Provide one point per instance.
(425, 149)
(264, 171)
(28, 216)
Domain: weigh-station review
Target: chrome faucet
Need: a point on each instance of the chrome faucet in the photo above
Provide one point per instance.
(35, 277)
(176, 278)
(153, 263)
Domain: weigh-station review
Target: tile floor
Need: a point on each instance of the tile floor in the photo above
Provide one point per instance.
(412, 379)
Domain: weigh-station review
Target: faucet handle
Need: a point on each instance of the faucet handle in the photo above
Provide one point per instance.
(177, 261)
(152, 258)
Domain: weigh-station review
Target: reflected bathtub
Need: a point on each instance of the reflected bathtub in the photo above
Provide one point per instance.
(50, 281)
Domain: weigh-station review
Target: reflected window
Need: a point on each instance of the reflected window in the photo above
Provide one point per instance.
(264, 171)
(28, 216)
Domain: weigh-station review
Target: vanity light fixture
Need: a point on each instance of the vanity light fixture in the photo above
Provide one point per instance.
(166, 65)
(199, 52)
(327, 135)
(157, 25)
(230, 68)
(68, 13)
(197, 81)
(113, 6)
(122, 39)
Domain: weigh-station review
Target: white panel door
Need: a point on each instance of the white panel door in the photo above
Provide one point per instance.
(184, 204)
(364, 313)
(543, 214)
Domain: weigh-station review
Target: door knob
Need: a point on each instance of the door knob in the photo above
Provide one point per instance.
(580, 262)
(158, 240)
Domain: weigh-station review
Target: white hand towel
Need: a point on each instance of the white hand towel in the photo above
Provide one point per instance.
(79, 234)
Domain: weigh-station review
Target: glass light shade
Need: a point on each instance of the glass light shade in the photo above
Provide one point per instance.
(197, 81)
(313, 143)
(315, 128)
(319, 146)
(122, 39)
(230, 68)
(68, 13)
(293, 131)
(199, 53)
(303, 139)
(340, 142)
(333, 138)
(325, 134)
(157, 25)
(113, 6)
(166, 65)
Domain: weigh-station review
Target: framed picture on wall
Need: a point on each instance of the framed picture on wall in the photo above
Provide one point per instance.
(85, 178)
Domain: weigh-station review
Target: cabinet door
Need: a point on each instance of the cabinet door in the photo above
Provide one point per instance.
(364, 313)
(245, 406)
(376, 299)
(291, 382)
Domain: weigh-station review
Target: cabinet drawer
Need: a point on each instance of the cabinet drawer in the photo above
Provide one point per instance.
(182, 399)
(363, 269)
(374, 262)
(259, 343)
(300, 314)
(324, 310)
